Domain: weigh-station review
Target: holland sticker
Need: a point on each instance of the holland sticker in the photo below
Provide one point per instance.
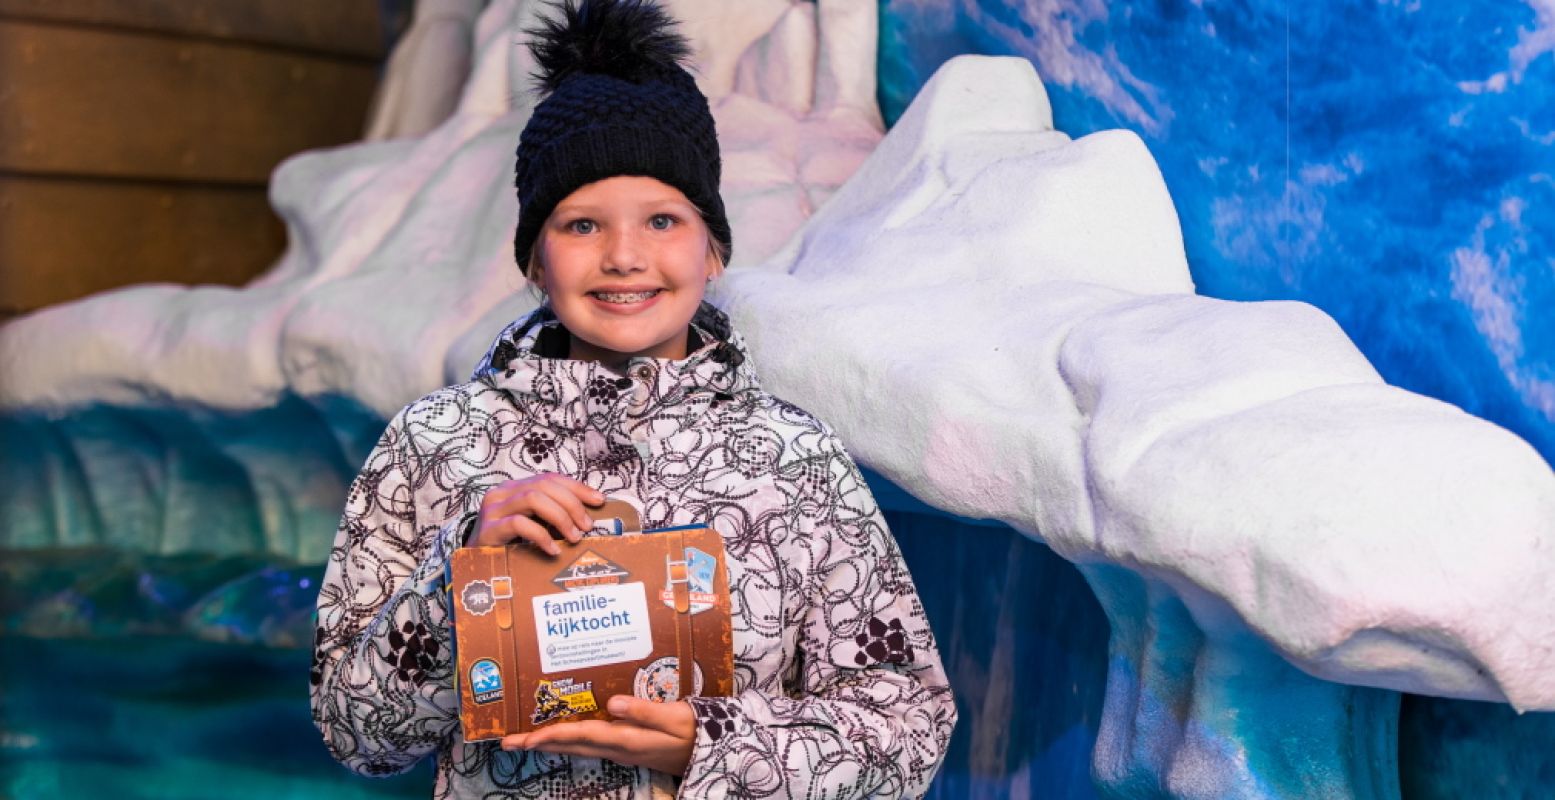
(660, 680)
(486, 681)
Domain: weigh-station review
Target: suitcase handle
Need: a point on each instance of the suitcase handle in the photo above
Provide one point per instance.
(622, 512)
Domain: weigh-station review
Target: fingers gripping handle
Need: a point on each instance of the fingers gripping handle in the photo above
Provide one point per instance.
(618, 516)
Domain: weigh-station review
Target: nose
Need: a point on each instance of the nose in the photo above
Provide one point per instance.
(624, 252)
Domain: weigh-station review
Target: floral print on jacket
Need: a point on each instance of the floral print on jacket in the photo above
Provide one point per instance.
(839, 690)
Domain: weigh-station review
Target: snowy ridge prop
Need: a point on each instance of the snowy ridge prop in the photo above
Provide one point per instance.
(1251, 503)
(1012, 315)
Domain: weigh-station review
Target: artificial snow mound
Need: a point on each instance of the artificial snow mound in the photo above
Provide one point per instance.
(1013, 318)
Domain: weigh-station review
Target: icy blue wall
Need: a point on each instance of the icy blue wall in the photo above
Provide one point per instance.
(128, 667)
(1389, 161)
(132, 674)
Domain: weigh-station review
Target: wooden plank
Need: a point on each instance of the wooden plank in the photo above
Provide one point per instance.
(61, 239)
(95, 102)
(346, 27)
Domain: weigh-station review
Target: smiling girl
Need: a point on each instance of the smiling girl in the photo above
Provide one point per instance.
(625, 262)
(625, 383)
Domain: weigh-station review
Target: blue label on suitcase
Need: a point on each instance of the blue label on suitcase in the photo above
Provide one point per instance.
(486, 681)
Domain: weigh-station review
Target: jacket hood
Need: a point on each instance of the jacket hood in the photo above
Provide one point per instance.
(650, 398)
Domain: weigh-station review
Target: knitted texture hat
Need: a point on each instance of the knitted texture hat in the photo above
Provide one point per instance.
(619, 102)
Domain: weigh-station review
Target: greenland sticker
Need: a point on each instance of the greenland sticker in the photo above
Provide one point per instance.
(699, 581)
(590, 569)
(485, 681)
(477, 598)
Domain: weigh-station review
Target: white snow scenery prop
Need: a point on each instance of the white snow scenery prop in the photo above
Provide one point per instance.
(1012, 317)
(426, 72)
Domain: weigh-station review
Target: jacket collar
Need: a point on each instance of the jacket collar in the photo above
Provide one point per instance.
(649, 399)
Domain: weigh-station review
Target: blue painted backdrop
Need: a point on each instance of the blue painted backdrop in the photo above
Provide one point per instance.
(1390, 161)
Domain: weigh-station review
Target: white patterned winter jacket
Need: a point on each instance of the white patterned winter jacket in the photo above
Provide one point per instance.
(839, 690)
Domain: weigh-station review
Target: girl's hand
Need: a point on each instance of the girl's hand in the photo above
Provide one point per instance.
(514, 510)
(658, 736)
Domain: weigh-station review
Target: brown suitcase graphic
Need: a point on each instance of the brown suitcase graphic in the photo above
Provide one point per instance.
(544, 639)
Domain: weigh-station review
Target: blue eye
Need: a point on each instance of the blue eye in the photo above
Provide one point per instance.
(661, 222)
(581, 226)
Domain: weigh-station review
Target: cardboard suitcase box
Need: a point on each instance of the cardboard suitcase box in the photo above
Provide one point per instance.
(546, 639)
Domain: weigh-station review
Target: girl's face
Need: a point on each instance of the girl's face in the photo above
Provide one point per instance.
(625, 262)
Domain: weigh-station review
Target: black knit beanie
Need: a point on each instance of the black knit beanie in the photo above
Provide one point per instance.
(619, 103)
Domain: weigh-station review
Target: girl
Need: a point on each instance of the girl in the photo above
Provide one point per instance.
(624, 383)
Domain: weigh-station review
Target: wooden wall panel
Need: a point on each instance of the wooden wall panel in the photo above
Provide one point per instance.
(67, 238)
(88, 101)
(137, 137)
(334, 26)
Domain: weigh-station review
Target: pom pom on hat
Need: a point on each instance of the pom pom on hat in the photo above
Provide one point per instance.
(624, 39)
(619, 102)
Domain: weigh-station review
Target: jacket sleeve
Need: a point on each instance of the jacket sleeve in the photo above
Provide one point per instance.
(382, 679)
(868, 711)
